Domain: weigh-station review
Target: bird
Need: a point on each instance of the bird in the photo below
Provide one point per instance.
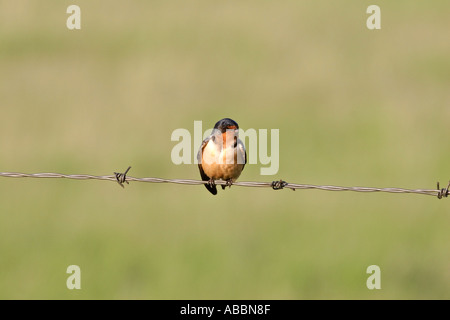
(222, 155)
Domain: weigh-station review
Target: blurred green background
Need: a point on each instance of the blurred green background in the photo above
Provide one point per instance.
(354, 107)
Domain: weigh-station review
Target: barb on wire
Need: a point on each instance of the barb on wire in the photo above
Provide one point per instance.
(278, 185)
(443, 192)
(122, 178)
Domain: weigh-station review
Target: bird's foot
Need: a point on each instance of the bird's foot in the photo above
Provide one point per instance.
(211, 182)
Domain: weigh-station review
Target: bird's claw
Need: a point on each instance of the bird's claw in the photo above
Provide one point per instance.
(211, 182)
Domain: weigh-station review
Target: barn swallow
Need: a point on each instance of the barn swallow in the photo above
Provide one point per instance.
(222, 155)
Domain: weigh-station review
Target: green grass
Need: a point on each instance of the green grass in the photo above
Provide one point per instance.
(354, 107)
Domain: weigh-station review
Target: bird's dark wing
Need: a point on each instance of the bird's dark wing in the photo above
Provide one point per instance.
(245, 162)
(211, 188)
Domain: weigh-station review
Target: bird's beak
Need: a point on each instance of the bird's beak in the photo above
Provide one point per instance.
(235, 130)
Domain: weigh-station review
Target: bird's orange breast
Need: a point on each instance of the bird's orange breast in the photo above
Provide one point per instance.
(221, 164)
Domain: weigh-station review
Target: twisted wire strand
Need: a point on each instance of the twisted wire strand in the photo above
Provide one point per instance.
(122, 178)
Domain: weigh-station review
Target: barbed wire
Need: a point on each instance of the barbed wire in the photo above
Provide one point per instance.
(122, 178)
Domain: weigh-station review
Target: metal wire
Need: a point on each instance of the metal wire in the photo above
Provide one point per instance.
(122, 178)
